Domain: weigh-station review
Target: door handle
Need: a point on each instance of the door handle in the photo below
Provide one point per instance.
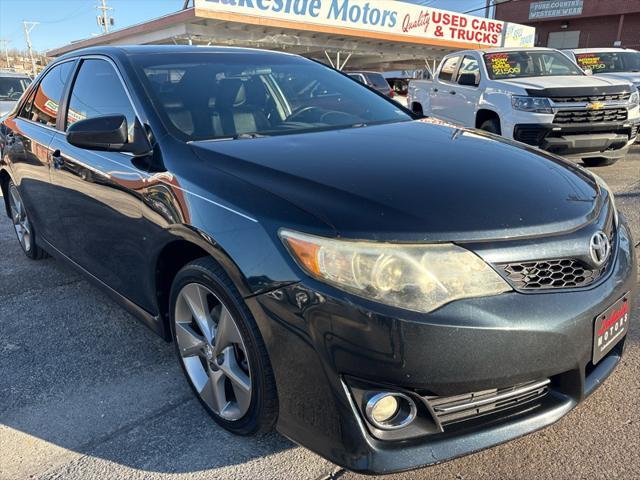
(435, 89)
(57, 160)
(452, 92)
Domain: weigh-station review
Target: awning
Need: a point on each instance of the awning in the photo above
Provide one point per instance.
(380, 34)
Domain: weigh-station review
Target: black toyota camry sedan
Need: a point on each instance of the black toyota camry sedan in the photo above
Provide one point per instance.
(386, 290)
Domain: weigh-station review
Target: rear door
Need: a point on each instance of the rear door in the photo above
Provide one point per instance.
(99, 193)
(444, 89)
(463, 104)
(28, 141)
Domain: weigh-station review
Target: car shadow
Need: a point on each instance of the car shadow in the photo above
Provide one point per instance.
(81, 374)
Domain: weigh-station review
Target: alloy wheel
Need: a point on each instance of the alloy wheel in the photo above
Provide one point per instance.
(20, 218)
(213, 352)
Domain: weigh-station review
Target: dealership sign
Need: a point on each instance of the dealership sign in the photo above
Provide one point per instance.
(555, 8)
(393, 19)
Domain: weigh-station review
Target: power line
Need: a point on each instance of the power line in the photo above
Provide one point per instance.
(488, 5)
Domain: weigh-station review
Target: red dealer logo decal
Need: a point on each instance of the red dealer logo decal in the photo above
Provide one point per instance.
(611, 328)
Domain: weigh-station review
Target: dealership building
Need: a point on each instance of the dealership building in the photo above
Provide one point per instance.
(577, 23)
(352, 34)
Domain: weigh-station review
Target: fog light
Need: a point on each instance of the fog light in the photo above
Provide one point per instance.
(390, 410)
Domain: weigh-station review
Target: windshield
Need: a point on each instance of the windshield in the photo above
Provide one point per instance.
(529, 64)
(605, 62)
(244, 95)
(12, 87)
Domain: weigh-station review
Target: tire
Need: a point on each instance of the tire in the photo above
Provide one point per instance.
(599, 161)
(417, 109)
(492, 125)
(23, 227)
(220, 349)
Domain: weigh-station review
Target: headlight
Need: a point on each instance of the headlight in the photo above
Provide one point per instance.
(634, 99)
(414, 277)
(603, 185)
(531, 104)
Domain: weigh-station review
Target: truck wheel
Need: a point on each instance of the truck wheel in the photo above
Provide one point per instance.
(491, 125)
(417, 109)
(599, 161)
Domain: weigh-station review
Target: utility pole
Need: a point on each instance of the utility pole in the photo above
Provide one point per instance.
(28, 26)
(5, 46)
(104, 20)
(487, 9)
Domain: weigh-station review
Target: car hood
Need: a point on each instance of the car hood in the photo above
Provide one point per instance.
(633, 77)
(6, 106)
(413, 181)
(566, 81)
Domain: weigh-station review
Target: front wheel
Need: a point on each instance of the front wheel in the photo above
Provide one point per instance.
(22, 225)
(221, 350)
(599, 161)
(491, 125)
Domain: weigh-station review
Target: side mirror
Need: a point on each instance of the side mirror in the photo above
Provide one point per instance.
(107, 133)
(468, 79)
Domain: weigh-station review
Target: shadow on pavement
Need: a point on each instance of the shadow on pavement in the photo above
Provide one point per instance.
(80, 373)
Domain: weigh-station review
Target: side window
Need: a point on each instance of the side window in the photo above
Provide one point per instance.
(25, 111)
(43, 107)
(448, 69)
(98, 91)
(469, 65)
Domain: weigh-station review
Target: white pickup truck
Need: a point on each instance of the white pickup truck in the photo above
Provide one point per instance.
(616, 63)
(536, 96)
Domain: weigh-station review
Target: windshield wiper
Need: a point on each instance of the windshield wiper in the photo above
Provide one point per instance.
(243, 136)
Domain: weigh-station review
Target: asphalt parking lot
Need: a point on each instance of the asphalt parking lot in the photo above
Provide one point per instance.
(87, 392)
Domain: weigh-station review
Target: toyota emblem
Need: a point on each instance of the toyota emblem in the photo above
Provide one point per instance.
(599, 248)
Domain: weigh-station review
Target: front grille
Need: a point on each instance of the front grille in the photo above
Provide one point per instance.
(468, 406)
(594, 98)
(563, 273)
(591, 116)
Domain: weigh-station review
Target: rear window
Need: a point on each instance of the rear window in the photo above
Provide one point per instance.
(11, 88)
(448, 69)
(377, 80)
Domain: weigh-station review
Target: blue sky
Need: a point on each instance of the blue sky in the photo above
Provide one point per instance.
(62, 21)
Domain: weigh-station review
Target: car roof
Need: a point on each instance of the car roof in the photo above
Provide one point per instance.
(516, 49)
(600, 50)
(126, 50)
(502, 50)
(9, 73)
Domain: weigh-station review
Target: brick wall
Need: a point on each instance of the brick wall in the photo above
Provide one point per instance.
(594, 31)
(598, 24)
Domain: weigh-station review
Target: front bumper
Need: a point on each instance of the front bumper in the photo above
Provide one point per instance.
(321, 340)
(580, 140)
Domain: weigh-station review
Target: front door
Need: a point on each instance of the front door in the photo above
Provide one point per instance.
(98, 193)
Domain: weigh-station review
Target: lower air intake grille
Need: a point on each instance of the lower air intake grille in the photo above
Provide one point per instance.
(565, 273)
(472, 405)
